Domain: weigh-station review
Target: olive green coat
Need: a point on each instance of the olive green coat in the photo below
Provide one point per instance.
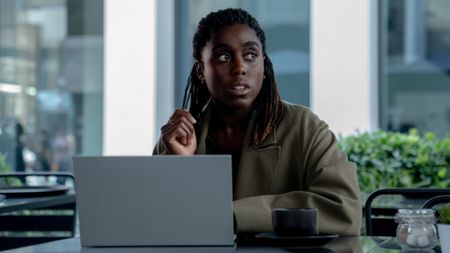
(299, 165)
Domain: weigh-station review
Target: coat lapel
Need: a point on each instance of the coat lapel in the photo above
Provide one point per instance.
(258, 163)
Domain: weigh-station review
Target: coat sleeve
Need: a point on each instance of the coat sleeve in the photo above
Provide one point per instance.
(331, 186)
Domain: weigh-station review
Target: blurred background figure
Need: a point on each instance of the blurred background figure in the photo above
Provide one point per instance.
(64, 149)
(44, 153)
(20, 144)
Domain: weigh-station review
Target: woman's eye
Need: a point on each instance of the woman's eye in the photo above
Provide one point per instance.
(223, 57)
(251, 56)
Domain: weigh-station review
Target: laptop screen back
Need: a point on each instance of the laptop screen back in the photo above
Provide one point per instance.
(155, 200)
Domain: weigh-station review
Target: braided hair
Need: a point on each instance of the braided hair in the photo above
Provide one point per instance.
(196, 95)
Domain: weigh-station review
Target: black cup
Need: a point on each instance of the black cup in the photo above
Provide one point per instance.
(294, 221)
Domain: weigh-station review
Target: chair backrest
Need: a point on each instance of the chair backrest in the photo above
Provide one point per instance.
(385, 225)
(436, 200)
(36, 225)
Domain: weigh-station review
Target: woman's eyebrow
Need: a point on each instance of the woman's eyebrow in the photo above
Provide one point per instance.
(244, 45)
(220, 46)
(251, 44)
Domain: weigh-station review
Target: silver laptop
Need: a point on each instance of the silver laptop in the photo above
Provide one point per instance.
(155, 200)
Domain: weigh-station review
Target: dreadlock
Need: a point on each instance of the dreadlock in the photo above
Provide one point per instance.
(267, 103)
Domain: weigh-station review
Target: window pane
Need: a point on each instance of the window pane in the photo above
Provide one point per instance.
(286, 24)
(415, 46)
(51, 82)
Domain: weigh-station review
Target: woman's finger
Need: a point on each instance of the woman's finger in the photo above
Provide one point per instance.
(177, 132)
(185, 123)
(183, 113)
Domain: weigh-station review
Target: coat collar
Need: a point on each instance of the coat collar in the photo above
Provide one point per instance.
(202, 132)
(258, 163)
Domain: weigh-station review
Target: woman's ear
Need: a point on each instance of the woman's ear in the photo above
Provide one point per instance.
(199, 69)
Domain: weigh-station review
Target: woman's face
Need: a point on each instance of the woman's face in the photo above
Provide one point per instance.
(233, 66)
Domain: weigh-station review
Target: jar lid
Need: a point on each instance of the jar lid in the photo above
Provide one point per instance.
(416, 213)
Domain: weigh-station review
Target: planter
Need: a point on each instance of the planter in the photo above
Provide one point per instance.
(444, 237)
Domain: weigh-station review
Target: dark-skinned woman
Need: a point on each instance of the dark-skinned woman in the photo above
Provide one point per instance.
(283, 155)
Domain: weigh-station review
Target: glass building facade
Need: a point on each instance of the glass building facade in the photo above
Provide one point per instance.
(51, 82)
(52, 68)
(415, 65)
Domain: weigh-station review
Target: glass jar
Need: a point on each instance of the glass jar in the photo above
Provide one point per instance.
(416, 228)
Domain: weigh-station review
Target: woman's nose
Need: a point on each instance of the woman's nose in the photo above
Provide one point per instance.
(239, 67)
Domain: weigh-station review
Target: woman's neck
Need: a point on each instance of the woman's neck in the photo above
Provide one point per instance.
(227, 129)
(229, 119)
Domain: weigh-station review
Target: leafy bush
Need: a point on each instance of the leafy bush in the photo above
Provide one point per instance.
(394, 160)
(4, 167)
(444, 214)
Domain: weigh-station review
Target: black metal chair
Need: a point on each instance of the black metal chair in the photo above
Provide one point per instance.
(436, 200)
(384, 224)
(36, 225)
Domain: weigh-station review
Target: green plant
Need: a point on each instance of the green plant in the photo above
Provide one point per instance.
(394, 160)
(444, 214)
(4, 167)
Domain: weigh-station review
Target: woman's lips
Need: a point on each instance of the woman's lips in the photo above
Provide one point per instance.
(239, 89)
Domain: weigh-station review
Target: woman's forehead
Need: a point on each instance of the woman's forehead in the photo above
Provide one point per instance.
(231, 34)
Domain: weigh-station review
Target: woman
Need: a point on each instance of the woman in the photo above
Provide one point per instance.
(282, 154)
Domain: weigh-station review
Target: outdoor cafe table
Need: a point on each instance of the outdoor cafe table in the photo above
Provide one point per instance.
(338, 245)
(17, 204)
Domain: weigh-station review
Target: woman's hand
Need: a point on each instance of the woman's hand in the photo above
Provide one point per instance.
(178, 135)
